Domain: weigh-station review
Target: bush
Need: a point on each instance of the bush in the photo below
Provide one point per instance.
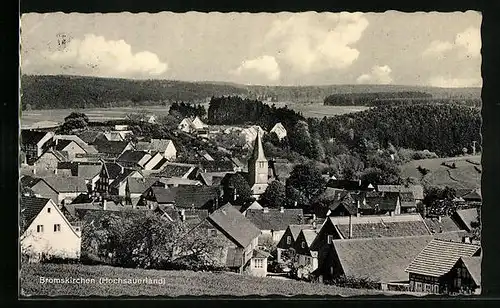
(354, 282)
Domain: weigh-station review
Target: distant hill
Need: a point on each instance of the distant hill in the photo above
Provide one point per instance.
(56, 92)
(465, 174)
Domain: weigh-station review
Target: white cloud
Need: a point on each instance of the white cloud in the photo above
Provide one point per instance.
(378, 75)
(312, 45)
(438, 48)
(107, 58)
(444, 82)
(263, 65)
(470, 39)
(467, 43)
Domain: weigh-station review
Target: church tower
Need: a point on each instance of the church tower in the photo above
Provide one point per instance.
(258, 170)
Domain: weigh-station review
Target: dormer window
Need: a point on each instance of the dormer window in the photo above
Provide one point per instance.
(329, 239)
(289, 240)
(48, 210)
(303, 244)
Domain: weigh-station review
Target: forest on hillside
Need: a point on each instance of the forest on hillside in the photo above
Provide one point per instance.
(56, 92)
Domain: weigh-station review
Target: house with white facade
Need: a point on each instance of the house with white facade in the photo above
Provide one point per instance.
(279, 130)
(46, 232)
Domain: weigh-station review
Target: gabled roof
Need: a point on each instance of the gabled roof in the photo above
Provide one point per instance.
(160, 145)
(439, 257)
(88, 171)
(213, 166)
(213, 178)
(90, 136)
(189, 196)
(111, 147)
(29, 181)
(261, 254)
(386, 201)
(179, 181)
(31, 207)
(176, 170)
(446, 224)
(309, 235)
(122, 177)
(295, 229)
(163, 195)
(418, 190)
(234, 225)
(112, 169)
(466, 217)
(473, 265)
(140, 185)
(379, 259)
(274, 219)
(32, 136)
(131, 156)
(87, 148)
(372, 226)
(60, 156)
(66, 184)
(474, 195)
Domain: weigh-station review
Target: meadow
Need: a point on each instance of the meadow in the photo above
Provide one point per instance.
(176, 283)
(95, 114)
(465, 175)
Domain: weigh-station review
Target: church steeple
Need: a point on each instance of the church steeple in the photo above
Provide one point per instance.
(258, 168)
(258, 150)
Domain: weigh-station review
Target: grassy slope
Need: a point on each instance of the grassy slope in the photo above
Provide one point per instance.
(177, 283)
(464, 176)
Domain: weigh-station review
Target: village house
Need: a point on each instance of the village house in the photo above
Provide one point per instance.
(75, 212)
(46, 232)
(48, 162)
(133, 158)
(436, 269)
(118, 187)
(136, 187)
(250, 205)
(382, 260)
(163, 146)
(238, 240)
(466, 218)
(58, 189)
(112, 149)
(198, 197)
(279, 130)
(348, 185)
(109, 173)
(157, 196)
(179, 170)
(305, 256)
(89, 171)
(280, 169)
(273, 222)
(417, 190)
(34, 143)
(287, 240)
(211, 178)
(87, 148)
(176, 182)
(91, 136)
(69, 147)
(186, 126)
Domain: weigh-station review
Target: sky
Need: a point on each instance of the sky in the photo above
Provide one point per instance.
(427, 49)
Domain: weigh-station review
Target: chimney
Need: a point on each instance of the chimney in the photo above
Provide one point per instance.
(392, 213)
(466, 240)
(314, 217)
(314, 225)
(295, 204)
(439, 218)
(265, 210)
(183, 215)
(282, 209)
(34, 168)
(55, 171)
(104, 204)
(350, 226)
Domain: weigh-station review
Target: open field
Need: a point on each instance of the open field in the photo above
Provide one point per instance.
(465, 175)
(176, 283)
(95, 114)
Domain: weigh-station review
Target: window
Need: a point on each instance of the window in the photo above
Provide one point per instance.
(213, 232)
(303, 244)
(57, 228)
(289, 240)
(48, 210)
(308, 261)
(329, 239)
(39, 228)
(259, 263)
(418, 286)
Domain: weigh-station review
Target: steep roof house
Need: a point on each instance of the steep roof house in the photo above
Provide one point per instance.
(287, 240)
(186, 125)
(34, 143)
(279, 130)
(134, 158)
(70, 147)
(431, 271)
(155, 196)
(163, 146)
(237, 237)
(198, 197)
(112, 148)
(46, 232)
(381, 260)
(58, 189)
(211, 178)
(179, 170)
(305, 255)
(90, 136)
(111, 172)
(273, 222)
(417, 190)
(136, 187)
(48, 162)
(118, 187)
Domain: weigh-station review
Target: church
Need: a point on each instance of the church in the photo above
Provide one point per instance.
(258, 169)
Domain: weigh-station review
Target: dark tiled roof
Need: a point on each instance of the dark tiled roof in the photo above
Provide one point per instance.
(379, 259)
(345, 184)
(31, 136)
(386, 201)
(446, 224)
(418, 190)
(140, 185)
(62, 143)
(110, 147)
(29, 181)
(467, 217)
(88, 171)
(66, 183)
(439, 257)
(474, 195)
(132, 156)
(258, 253)
(281, 170)
(241, 230)
(215, 165)
(189, 196)
(113, 169)
(120, 178)
(381, 226)
(274, 219)
(163, 195)
(176, 170)
(31, 207)
(91, 136)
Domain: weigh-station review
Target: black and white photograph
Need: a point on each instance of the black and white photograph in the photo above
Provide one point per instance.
(240, 154)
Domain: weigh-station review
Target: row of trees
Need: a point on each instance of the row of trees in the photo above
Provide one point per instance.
(146, 240)
(187, 110)
(373, 98)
